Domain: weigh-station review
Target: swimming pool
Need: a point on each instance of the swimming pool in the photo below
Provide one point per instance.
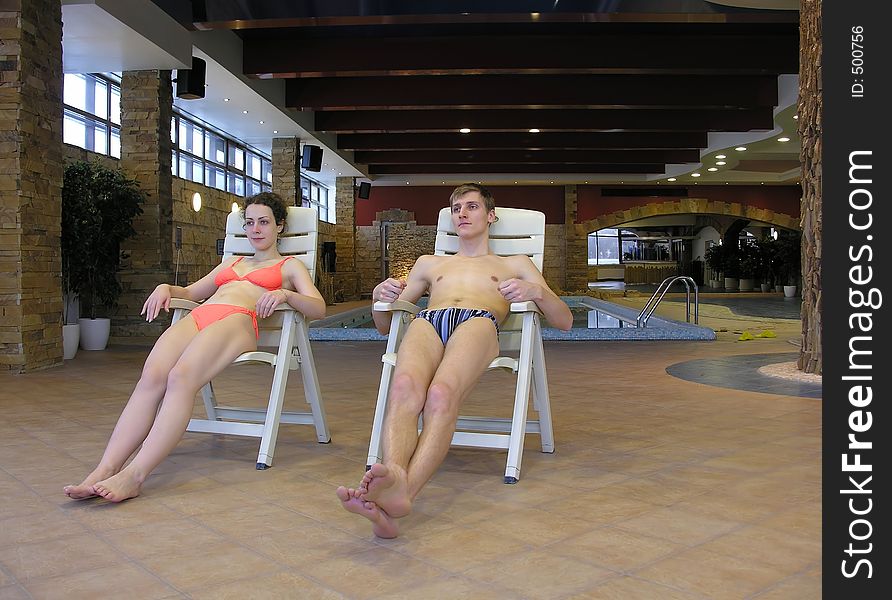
(593, 319)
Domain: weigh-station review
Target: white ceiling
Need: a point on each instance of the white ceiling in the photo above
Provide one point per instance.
(110, 35)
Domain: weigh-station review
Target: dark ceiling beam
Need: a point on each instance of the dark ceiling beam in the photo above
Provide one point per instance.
(546, 168)
(406, 121)
(639, 53)
(516, 141)
(539, 156)
(511, 91)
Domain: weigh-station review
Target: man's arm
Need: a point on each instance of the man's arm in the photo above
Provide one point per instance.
(530, 285)
(392, 289)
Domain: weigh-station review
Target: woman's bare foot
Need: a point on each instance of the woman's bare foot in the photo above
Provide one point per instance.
(386, 486)
(120, 487)
(383, 525)
(85, 489)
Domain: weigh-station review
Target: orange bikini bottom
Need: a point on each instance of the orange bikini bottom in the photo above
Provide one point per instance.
(205, 314)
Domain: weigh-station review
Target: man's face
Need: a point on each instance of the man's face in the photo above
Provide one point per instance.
(469, 214)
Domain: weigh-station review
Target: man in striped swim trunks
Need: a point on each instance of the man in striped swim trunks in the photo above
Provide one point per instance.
(443, 354)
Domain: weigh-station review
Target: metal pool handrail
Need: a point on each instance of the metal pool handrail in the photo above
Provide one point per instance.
(664, 286)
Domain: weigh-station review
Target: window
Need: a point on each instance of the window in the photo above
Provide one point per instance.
(316, 195)
(92, 112)
(603, 247)
(204, 155)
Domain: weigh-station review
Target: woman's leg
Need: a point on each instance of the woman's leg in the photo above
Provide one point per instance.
(139, 413)
(210, 352)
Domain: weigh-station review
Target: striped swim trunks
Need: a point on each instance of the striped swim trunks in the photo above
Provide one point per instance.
(445, 320)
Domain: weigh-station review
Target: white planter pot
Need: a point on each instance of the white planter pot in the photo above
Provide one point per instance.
(71, 336)
(765, 288)
(789, 291)
(747, 285)
(731, 283)
(778, 288)
(94, 333)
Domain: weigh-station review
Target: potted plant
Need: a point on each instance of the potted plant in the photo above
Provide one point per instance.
(765, 253)
(730, 266)
(747, 266)
(98, 208)
(713, 258)
(789, 258)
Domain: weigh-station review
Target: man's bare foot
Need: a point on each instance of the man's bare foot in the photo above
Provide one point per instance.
(386, 486)
(85, 489)
(122, 486)
(383, 525)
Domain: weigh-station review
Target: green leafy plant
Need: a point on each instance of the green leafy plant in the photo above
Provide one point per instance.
(98, 208)
(788, 257)
(714, 259)
(749, 261)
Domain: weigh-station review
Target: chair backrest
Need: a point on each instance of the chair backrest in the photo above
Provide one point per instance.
(299, 238)
(518, 231)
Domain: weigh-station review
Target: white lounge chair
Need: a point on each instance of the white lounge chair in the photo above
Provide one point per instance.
(285, 335)
(517, 231)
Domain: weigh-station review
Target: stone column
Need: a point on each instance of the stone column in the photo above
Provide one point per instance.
(286, 153)
(576, 245)
(30, 185)
(346, 277)
(810, 118)
(146, 111)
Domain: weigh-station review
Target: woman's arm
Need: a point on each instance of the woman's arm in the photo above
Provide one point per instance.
(196, 292)
(306, 299)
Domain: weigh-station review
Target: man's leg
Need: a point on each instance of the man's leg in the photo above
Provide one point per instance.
(419, 354)
(473, 345)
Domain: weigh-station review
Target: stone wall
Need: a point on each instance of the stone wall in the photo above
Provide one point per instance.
(345, 279)
(146, 111)
(810, 119)
(30, 185)
(285, 155)
(575, 246)
(554, 263)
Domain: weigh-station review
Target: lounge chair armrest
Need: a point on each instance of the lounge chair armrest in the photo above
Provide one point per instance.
(396, 305)
(522, 307)
(183, 303)
(285, 306)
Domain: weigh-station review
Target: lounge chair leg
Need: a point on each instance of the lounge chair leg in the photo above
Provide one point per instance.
(262, 466)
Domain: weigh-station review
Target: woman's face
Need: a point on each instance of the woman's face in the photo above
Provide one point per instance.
(261, 227)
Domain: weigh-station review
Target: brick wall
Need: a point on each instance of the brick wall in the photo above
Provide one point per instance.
(30, 185)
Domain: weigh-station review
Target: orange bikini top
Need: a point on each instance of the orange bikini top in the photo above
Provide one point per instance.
(267, 277)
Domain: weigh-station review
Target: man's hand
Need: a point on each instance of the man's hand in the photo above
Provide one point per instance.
(388, 290)
(268, 302)
(517, 290)
(157, 300)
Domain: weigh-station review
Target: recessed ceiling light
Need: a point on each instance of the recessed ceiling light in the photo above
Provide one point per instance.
(552, 182)
(464, 130)
(515, 182)
(261, 122)
(534, 130)
(740, 148)
(720, 156)
(275, 131)
(726, 183)
(712, 169)
(783, 139)
(407, 183)
(695, 174)
(672, 179)
(225, 99)
(244, 112)
(720, 163)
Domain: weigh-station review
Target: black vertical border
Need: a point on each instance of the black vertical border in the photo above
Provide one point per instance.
(854, 122)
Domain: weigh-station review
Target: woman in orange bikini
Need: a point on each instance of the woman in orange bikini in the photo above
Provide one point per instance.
(195, 349)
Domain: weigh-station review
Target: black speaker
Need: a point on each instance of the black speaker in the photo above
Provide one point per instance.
(365, 188)
(190, 82)
(311, 159)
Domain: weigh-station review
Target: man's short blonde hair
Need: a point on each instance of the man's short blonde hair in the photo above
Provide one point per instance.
(466, 188)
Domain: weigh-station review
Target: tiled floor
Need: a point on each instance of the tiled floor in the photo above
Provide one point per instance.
(659, 488)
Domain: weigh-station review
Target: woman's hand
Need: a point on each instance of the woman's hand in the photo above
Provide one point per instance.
(157, 300)
(388, 290)
(269, 301)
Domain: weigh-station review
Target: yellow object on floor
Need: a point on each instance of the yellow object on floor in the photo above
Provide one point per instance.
(768, 333)
(745, 336)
